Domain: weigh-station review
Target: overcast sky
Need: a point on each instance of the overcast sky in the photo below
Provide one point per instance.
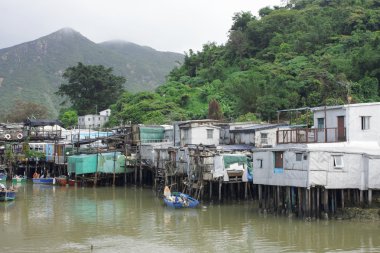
(165, 25)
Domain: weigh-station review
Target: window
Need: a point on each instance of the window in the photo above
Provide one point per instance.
(365, 122)
(264, 138)
(186, 134)
(89, 119)
(210, 133)
(260, 163)
(338, 161)
(298, 157)
(321, 123)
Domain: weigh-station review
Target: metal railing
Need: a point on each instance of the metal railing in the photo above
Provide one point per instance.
(310, 135)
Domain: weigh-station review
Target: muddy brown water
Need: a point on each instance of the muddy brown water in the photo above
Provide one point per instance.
(133, 219)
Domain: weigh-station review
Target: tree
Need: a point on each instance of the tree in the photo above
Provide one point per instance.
(24, 110)
(91, 87)
(69, 118)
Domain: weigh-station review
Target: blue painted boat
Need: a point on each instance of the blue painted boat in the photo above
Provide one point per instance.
(49, 180)
(180, 200)
(7, 195)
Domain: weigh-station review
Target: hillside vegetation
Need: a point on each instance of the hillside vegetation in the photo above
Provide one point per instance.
(32, 71)
(309, 53)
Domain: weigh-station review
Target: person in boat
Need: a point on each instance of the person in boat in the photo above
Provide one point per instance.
(167, 192)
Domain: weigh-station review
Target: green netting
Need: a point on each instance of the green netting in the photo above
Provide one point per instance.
(108, 162)
(104, 162)
(81, 164)
(151, 134)
(231, 159)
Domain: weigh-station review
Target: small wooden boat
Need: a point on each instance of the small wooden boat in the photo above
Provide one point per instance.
(180, 200)
(48, 180)
(7, 194)
(61, 180)
(72, 182)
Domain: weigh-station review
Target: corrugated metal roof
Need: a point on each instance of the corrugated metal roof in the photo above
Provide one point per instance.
(236, 147)
(257, 127)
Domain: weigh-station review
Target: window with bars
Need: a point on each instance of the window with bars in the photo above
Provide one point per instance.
(264, 138)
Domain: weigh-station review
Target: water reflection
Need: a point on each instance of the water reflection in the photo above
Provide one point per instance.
(68, 219)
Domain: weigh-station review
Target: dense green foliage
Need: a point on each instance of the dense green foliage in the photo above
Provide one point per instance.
(90, 88)
(32, 71)
(309, 53)
(69, 118)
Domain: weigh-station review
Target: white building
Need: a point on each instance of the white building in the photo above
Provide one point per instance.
(199, 132)
(94, 120)
(340, 151)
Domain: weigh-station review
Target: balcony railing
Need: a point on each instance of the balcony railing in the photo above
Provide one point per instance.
(311, 135)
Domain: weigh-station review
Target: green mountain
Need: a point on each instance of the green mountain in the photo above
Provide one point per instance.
(32, 71)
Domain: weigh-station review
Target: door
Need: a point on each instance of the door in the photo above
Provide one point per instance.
(341, 129)
(278, 159)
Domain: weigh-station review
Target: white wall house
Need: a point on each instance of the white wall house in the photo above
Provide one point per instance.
(352, 122)
(333, 166)
(199, 132)
(340, 151)
(94, 120)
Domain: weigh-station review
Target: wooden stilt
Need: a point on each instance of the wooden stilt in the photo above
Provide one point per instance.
(245, 190)
(288, 200)
(307, 195)
(361, 198)
(318, 203)
(278, 205)
(349, 195)
(210, 182)
(369, 197)
(299, 202)
(136, 174)
(260, 196)
(312, 193)
(342, 197)
(326, 200)
(220, 190)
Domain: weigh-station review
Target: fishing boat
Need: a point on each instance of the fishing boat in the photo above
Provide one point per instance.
(18, 179)
(7, 194)
(179, 199)
(48, 180)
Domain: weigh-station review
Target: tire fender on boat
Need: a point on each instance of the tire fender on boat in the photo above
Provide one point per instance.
(7, 136)
(19, 136)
